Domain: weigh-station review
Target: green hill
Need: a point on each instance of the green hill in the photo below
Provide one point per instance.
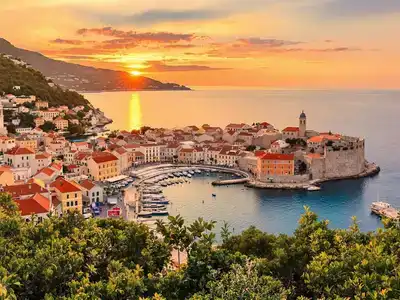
(33, 82)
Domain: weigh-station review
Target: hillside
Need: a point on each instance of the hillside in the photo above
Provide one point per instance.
(83, 78)
(32, 82)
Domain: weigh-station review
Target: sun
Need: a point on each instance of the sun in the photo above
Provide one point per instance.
(136, 73)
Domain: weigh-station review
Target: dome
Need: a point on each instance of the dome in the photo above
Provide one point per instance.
(303, 115)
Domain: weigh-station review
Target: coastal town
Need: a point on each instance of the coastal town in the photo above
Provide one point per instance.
(67, 160)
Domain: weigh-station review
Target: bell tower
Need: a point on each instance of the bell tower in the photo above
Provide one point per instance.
(302, 124)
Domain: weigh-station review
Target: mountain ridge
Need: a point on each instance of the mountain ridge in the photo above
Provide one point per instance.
(84, 78)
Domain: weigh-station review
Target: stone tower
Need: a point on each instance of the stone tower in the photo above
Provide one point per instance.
(302, 124)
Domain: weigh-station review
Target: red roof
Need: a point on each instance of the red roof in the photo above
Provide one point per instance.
(64, 186)
(259, 153)
(138, 153)
(19, 151)
(102, 157)
(120, 151)
(187, 150)
(293, 129)
(56, 166)
(42, 155)
(276, 156)
(87, 184)
(38, 204)
(18, 190)
(47, 171)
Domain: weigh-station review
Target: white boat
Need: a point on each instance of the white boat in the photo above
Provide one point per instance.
(189, 175)
(145, 214)
(313, 188)
(191, 172)
(185, 173)
(385, 209)
(198, 171)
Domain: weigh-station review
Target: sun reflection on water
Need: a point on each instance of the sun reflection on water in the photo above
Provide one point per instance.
(135, 112)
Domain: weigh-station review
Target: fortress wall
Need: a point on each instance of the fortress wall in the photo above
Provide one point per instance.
(340, 163)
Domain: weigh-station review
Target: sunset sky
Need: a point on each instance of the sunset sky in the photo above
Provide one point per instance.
(271, 43)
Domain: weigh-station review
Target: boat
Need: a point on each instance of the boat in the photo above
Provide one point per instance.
(198, 171)
(145, 214)
(191, 172)
(185, 173)
(313, 188)
(189, 175)
(159, 212)
(152, 205)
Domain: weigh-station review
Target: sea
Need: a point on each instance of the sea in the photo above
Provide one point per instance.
(372, 114)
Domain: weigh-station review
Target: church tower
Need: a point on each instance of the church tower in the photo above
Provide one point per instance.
(302, 124)
(3, 130)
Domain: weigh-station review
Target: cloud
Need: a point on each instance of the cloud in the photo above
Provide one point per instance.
(180, 46)
(265, 42)
(157, 66)
(70, 42)
(357, 8)
(158, 16)
(154, 37)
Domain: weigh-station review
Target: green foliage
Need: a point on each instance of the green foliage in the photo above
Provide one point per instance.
(251, 148)
(48, 126)
(27, 120)
(74, 258)
(33, 82)
(76, 129)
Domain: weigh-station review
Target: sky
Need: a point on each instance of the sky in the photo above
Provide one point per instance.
(263, 43)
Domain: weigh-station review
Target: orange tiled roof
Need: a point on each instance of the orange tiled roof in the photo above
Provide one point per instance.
(64, 186)
(292, 129)
(19, 151)
(38, 204)
(87, 184)
(276, 156)
(18, 190)
(102, 157)
(47, 171)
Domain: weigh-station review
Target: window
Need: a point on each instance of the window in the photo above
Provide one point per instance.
(76, 195)
(76, 203)
(98, 193)
(67, 203)
(67, 196)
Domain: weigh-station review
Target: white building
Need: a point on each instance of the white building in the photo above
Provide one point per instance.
(20, 160)
(91, 192)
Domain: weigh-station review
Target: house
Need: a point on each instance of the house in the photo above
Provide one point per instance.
(6, 143)
(273, 164)
(61, 123)
(91, 192)
(80, 146)
(20, 159)
(279, 146)
(317, 143)
(201, 138)
(26, 142)
(22, 130)
(25, 191)
(68, 194)
(237, 127)
(39, 121)
(228, 156)
(6, 176)
(49, 115)
(122, 156)
(103, 165)
(41, 104)
(169, 152)
(47, 175)
(38, 205)
(40, 161)
(290, 133)
(229, 136)
(246, 137)
(74, 121)
(152, 152)
(186, 155)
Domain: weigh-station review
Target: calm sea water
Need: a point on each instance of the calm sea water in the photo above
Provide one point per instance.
(371, 114)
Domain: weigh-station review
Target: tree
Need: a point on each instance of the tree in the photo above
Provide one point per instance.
(80, 114)
(48, 126)
(75, 129)
(251, 148)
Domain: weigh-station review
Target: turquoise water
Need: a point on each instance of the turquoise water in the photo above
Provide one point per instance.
(371, 114)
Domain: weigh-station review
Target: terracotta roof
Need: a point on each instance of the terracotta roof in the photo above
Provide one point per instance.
(56, 166)
(233, 125)
(47, 171)
(245, 134)
(320, 138)
(18, 190)
(293, 129)
(131, 146)
(87, 184)
(138, 153)
(43, 155)
(102, 157)
(314, 155)
(38, 204)
(64, 186)
(259, 153)
(81, 155)
(230, 132)
(275, 156)
(120, 150)
(80, 144)
(187, 150)
(19, 151)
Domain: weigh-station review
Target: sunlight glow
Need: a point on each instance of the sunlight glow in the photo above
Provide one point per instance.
(135, 112)
(136, 73)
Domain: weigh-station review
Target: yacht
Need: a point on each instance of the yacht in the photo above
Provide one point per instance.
(198, 171)
(191, 172)
(145, 214)
(185, 173)
(313, 188)
(159, 212)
